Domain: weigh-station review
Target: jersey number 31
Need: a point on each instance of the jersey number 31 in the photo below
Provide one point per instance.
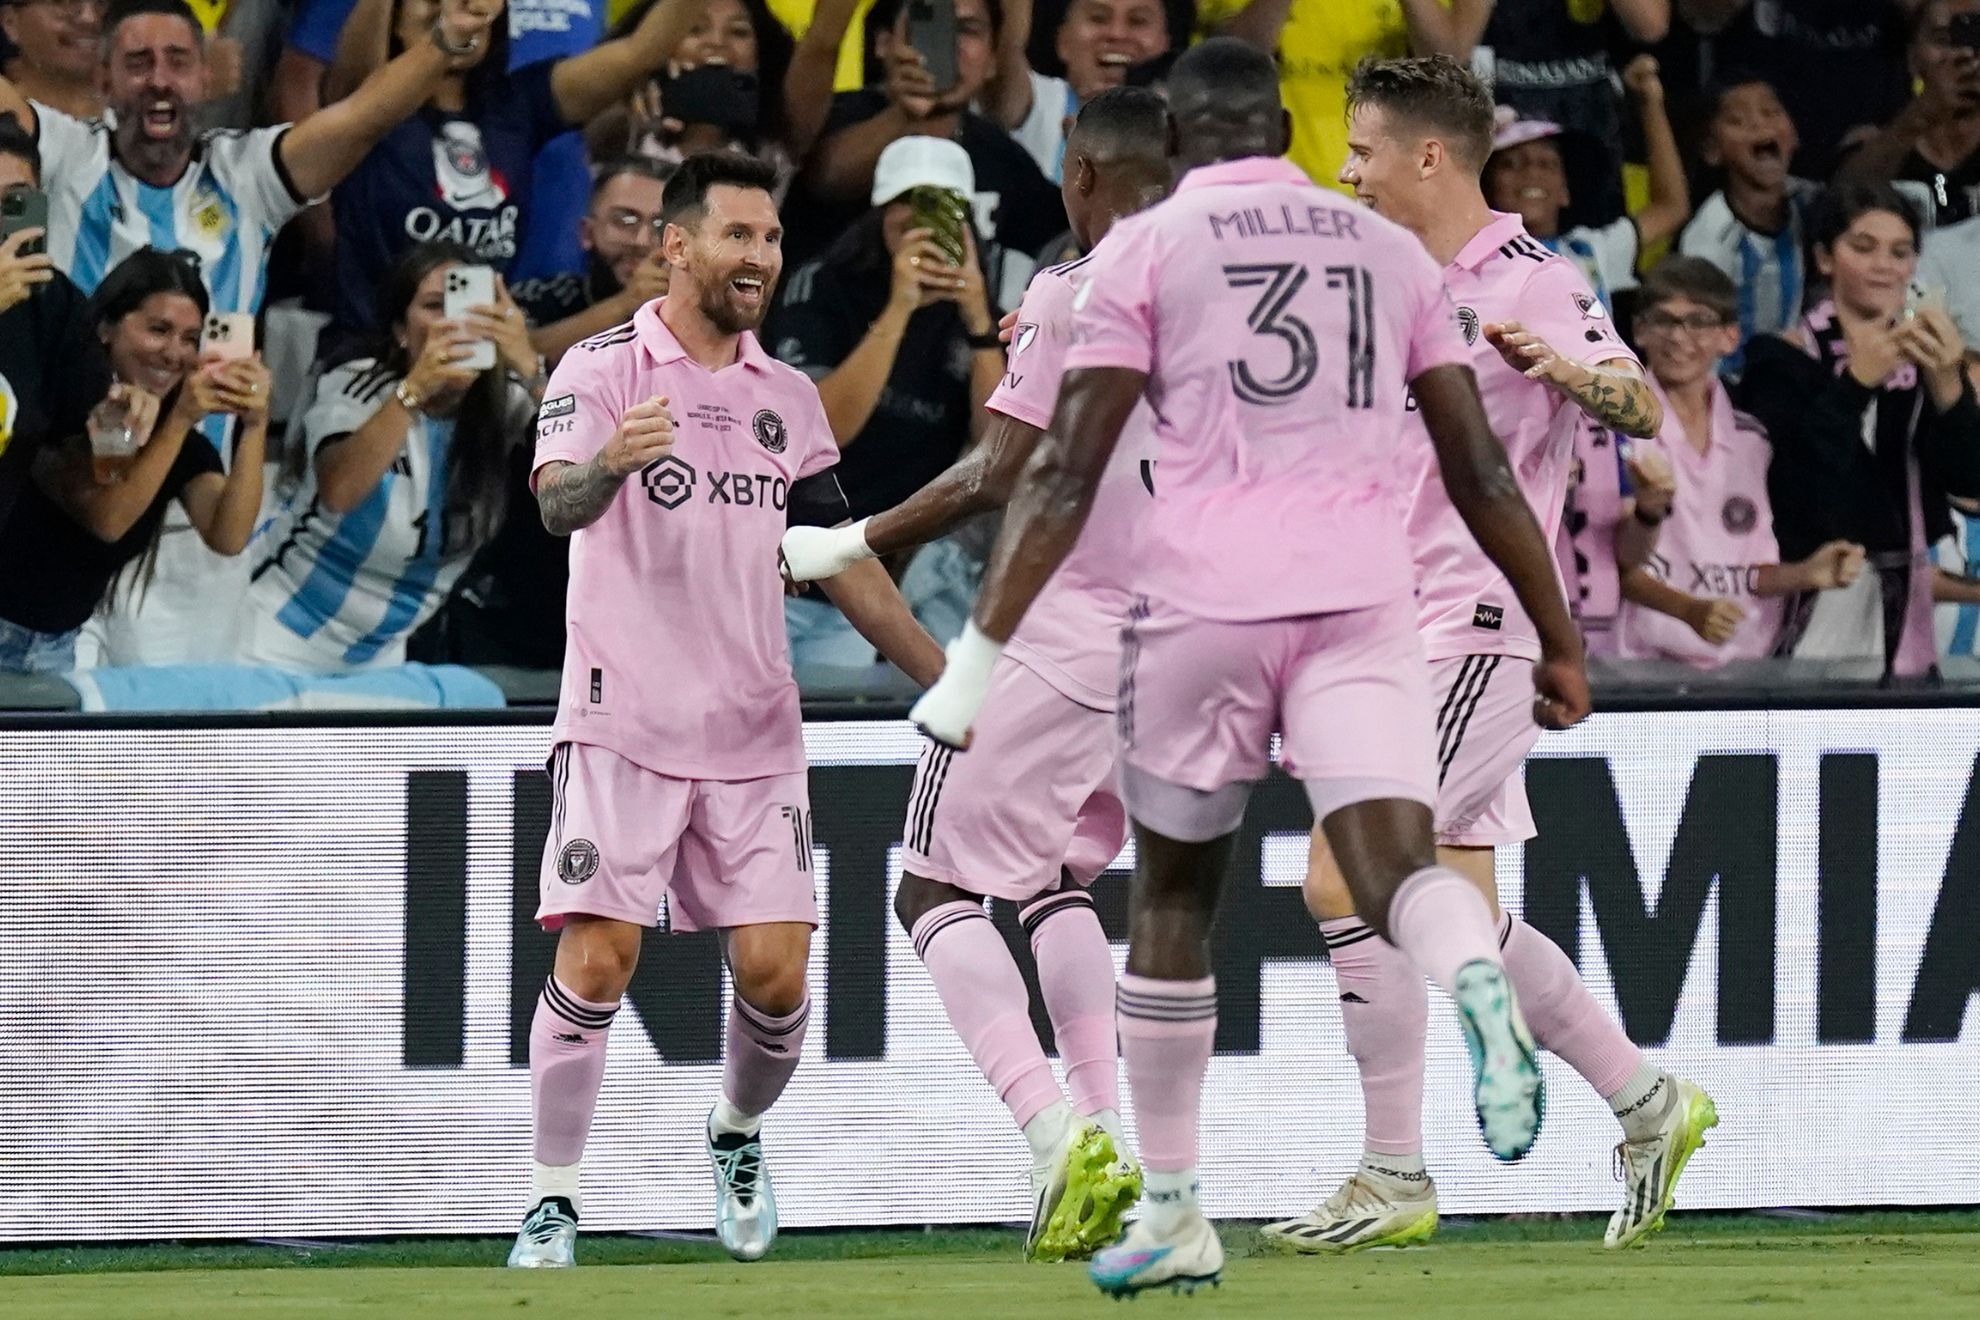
(1272, 316)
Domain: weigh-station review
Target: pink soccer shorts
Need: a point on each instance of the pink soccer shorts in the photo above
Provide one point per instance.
(1485, 729)
(1349, 692)
(719, 853)
(1035, 792)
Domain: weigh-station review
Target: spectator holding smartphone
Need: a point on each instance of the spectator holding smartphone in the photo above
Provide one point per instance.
(408, 462)
(1754, 227)
(904, 347)
(1933, 146)
(1017, 209)
(726, 77)
(460, 170)
(1712, 589)
(1874, 425)
(52, 370)
(97, 505)
(147, 176)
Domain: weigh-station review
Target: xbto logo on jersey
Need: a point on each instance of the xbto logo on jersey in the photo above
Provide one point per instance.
(669, 482)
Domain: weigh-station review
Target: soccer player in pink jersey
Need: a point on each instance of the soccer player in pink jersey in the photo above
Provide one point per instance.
(1030, 814)
(1711, 588)
(1548, 361)
(676, 450)
(1272, 330)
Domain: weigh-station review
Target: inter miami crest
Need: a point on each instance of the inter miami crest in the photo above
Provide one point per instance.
(578, 862)
(1739, 515)
(1468, 322)
(769, 428)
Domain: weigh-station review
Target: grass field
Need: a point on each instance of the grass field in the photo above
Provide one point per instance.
(1853, 1267)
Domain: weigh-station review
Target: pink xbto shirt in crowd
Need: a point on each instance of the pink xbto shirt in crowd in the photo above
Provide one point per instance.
(677, 657)
(1465, 606)
(1721, 529)
(1276, 322)
(1070, 636)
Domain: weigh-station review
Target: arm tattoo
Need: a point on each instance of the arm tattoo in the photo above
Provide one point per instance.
(575, 495)
(1618, 400)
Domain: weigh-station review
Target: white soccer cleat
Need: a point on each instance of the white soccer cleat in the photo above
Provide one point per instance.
(1359, 1216)
(745, 1204)
(548, 1238)
(1650, 1169)
(1181, 1261)
(1507, 1090)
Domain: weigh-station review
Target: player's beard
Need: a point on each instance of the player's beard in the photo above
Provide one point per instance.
(725, 309)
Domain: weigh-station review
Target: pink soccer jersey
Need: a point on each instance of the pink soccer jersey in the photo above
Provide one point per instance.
(677, 657)
(1465, 606)
(1720, 530)
(1277, 323)
(1070, 636)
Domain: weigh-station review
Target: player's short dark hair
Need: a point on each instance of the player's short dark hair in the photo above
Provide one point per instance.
(1124, 123)
(120, 10)
(17, 142)
(1691, 278)
(1224, 68)
(1434, 92)
(1845, 203)
(620, 166)
(686, 198)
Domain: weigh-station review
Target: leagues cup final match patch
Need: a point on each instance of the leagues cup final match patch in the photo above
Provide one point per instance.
(561, 406)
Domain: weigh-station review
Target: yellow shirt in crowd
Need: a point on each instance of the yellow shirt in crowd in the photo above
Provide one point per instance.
(1322, 42)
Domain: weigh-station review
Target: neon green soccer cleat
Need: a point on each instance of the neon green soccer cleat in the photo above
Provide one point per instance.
(1078, 1207)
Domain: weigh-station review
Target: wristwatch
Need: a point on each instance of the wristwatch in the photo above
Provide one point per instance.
(407, 399)
(988, 339)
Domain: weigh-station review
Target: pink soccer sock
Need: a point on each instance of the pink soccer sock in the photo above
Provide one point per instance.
(1076, 977)
(566, 1066)
(1386, 1011)
(984, 995)
(1442, 922)
(1563, 1016)
(762, 1054)
(1168, 1030)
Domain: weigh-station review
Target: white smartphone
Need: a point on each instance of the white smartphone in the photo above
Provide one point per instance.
(469, 287)
(228, 336)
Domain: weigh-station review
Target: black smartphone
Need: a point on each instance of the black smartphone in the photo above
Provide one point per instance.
(931, 29)
(712, 94)
(22, 207)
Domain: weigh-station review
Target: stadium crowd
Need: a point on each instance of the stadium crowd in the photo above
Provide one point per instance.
(1778, 202)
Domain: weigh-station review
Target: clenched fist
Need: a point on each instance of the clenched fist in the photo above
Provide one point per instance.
(645, 434)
